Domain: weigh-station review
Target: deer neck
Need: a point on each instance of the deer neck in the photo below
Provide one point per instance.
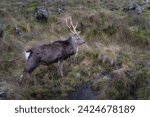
(74, 46)
(71, 43)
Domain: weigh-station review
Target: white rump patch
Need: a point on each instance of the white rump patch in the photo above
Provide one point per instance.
(21, 76)
(27, 54)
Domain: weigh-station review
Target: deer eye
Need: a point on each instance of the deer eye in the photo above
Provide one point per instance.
(75, 35)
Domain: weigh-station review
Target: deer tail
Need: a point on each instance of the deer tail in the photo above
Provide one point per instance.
(27, 54)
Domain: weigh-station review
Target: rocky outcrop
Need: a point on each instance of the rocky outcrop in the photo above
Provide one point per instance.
(41, 13)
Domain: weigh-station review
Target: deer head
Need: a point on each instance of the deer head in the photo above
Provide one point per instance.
(75, 37)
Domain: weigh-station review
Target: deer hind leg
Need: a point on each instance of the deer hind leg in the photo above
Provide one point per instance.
(60, 64)
(29, 67)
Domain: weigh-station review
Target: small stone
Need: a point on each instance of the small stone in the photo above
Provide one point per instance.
(60, 9)
(18, 31)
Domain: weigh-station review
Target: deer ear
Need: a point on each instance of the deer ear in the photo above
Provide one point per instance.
(70, 35)
(79, 32)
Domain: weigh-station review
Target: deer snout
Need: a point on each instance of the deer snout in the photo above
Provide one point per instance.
(82, 41)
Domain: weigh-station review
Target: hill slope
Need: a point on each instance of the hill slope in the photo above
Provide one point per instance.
(113, 64)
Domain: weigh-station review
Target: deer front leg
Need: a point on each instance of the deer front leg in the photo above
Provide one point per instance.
(70, 60)
(60, 64)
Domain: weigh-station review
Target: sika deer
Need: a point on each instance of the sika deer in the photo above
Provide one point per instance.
(58, 51)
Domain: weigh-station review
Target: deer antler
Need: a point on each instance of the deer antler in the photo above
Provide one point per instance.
(70, 26)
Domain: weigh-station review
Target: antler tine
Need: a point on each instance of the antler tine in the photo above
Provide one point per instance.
(67, 23)
(69, 26)
(73, 26)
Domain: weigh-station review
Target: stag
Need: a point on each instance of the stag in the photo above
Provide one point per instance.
(55, 52)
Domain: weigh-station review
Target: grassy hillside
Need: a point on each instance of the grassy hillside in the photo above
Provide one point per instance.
(113, 64)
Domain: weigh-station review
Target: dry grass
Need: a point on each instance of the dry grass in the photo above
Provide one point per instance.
(114, 60)
(109, 55)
